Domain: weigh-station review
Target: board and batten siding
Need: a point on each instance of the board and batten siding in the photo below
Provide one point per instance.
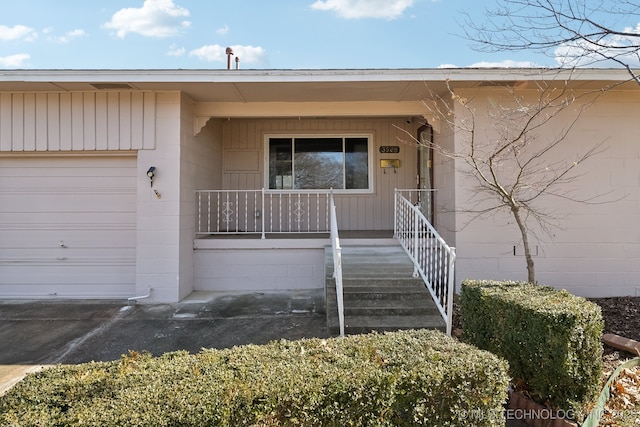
(244, 161)
(78, 121)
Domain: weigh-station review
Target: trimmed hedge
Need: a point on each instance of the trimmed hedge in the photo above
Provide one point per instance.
(393, 379)
(552, 339)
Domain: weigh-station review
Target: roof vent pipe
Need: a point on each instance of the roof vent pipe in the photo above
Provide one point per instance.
(237, 62)
(229, 52)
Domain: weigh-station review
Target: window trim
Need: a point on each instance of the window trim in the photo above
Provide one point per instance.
(370, 153)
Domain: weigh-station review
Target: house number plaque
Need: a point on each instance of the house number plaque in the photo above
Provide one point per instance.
(389, 149)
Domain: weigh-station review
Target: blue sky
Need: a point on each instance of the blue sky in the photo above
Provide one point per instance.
(275, 34)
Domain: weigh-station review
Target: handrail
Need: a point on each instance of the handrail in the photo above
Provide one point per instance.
(337, 262)
(433, 260)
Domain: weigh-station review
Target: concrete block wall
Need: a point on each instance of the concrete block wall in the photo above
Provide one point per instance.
(593, 248)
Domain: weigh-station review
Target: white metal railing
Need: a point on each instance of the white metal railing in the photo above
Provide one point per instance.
(337, 262)
(262, 211)
(432, 258)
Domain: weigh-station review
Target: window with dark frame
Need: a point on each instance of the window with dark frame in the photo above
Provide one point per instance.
(314, 163)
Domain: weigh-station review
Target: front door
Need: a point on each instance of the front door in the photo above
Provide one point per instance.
(425, 170)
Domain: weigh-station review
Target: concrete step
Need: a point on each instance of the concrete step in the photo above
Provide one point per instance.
(419, 303)
(389, 311)
(379, 291)
(366, 324)
(349, 282)
(374, 293)
(371, 262)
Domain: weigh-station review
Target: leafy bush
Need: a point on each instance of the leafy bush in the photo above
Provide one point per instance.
(552, 339)
(394, 379)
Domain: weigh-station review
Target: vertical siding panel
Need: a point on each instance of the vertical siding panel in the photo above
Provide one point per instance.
(41, 122)
(344, 218)
(233, 181)
(226, 138)
(137, 119)
(77, 121)
(231, 134)
(6, 123)
(242, 181)
(253, 141)
(371, 223)
(53, 122)
(29, 122)
(65, 122)
(89, 121)
(364, 217)
(235, 135)
(241, 135)
(101, 121)
(149, 121)
(113, 121)
(17, 123)
(125, 121)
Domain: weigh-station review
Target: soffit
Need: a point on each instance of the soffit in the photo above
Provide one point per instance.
(301, 85)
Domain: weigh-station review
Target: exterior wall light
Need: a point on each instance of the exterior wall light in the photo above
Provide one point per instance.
(151, 173)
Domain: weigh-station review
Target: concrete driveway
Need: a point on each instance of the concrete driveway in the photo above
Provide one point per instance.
(34, 334)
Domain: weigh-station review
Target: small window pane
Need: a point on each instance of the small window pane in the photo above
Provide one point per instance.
(356, 163)
(280, 163)
(318, 163)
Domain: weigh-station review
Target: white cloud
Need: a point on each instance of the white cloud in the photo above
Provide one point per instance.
(217, 53)
(14, 61)
(354, 9)
(17, 32)
(222, 31)
(606, 53)
(156, 18)
(68, 36)
(176, 51)
(507, 63)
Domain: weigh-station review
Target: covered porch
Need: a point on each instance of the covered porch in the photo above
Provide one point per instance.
(258, 241)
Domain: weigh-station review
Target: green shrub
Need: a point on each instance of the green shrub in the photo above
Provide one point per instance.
(552, 339)
(394, 379)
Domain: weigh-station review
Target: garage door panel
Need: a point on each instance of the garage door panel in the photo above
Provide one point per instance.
(83, 273)
(86, 202)
(71, 290)
(65, 220)
(77, 203)
(73, 239)
(74, 254)
(35, 184)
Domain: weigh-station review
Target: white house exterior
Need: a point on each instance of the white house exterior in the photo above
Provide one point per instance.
(80, 218)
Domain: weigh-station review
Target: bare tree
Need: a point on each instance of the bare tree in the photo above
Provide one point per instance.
(512, 151)
(574, 32)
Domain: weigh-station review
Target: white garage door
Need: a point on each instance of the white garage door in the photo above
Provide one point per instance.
(67, 226)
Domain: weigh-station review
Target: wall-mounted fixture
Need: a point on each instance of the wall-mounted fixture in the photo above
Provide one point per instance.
(389, 164)
(151, 173)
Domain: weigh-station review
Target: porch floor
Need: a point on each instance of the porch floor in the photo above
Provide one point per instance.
(344, 234)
